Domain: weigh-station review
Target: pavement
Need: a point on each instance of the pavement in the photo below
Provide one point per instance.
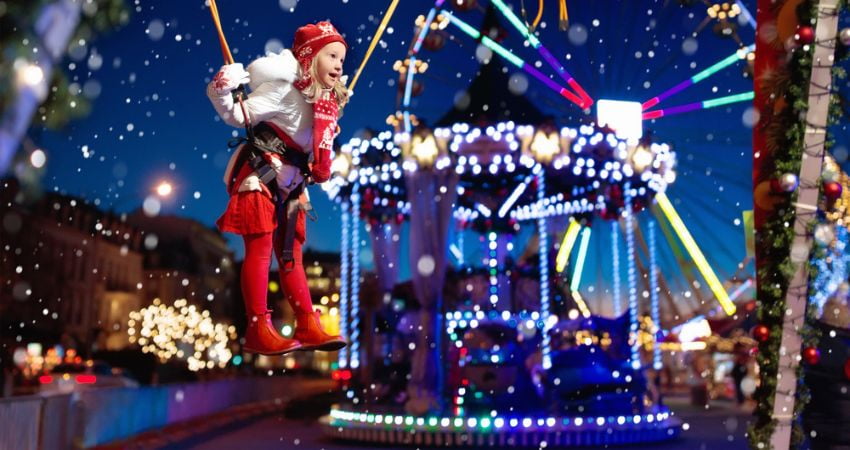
(294, 425)
(186, 434)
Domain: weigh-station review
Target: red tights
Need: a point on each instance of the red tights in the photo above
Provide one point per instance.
(255, 272)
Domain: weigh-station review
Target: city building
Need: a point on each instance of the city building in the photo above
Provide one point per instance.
(71, 272)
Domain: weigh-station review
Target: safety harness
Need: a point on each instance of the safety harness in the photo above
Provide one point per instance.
(264, 138)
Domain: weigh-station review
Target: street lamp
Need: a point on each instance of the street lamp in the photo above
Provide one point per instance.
(152, 200)
(152, 203)
(164, 189)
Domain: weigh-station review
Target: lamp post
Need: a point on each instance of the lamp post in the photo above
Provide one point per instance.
(152, 197)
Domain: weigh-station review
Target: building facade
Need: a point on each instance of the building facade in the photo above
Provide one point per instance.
(71, 273)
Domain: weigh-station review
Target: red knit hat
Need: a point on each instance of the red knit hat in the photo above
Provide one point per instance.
(309, 39)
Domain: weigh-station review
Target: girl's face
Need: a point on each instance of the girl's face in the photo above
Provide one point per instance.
(329, 63)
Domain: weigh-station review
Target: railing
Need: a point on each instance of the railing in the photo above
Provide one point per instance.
(20, 423)
(97, 416)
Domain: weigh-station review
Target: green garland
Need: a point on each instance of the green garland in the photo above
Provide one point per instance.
(775, 267)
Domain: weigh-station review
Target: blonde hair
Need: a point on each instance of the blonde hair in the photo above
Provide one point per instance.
(315, 90)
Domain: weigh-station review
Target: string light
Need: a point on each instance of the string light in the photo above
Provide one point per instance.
(492, 262)
(497, 421)
(831, 268)
(181, 331)
(653, 296)
(615, 263)
(346, 280)
(630, 261)
(460, 237)
(355, 278)
(543, 234)
(653, 164)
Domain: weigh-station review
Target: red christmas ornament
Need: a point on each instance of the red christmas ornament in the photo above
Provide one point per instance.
(811, 355)
(418, 88)
(434, 41)
(832, 190)
(368, 196)
(847, 368)
(399, 218)
(805, 35)
(761, 333)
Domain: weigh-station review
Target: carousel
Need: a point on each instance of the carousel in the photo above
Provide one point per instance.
(504, 350)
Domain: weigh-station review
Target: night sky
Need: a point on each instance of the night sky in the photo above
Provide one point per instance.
(152, 120)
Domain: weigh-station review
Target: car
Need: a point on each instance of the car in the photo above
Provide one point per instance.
(71, 377)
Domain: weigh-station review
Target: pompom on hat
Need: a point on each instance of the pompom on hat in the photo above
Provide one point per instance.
(309, 39)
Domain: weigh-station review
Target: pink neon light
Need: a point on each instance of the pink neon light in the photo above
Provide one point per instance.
(649, 115)
(572, 97)
(650, 103)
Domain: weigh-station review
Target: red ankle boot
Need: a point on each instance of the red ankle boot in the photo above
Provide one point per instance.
(308, 330)
(262, 338)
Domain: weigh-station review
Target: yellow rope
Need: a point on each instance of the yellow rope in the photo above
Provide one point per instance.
(374, 42)
(228, 59)
(539, 15)
(225, 49)
(563, 18)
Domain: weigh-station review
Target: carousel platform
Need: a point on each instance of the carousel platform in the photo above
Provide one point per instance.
(393, 429)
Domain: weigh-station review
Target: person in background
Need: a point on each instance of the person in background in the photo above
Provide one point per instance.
(741, 359)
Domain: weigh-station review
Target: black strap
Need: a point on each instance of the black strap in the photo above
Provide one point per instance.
(267, 140)
(264, 139)
(288, 211)
(240, 94)
(287, 215)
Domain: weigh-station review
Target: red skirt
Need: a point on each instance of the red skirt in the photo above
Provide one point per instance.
(248, 212)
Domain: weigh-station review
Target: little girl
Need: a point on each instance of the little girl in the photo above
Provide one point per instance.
(295, 100)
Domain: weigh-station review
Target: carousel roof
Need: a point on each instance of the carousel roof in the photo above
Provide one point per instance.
(490, 99)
